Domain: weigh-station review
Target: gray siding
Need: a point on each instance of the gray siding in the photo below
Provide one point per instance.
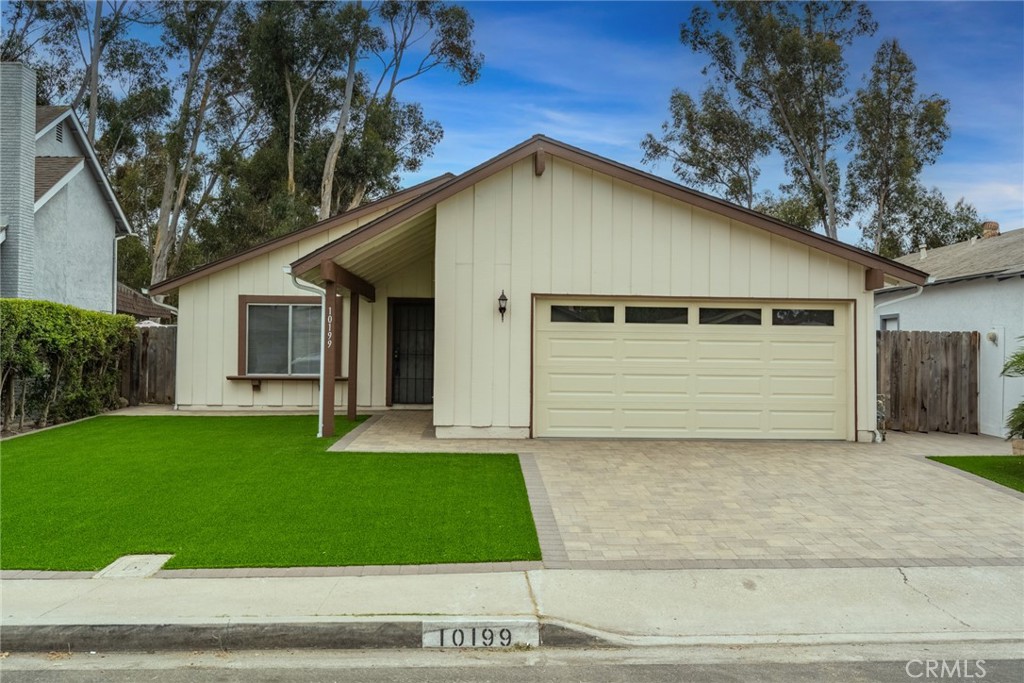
(75, 246)
(17, 179)
(47, 146)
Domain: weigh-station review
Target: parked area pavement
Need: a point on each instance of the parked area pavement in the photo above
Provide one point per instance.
(686, 543)
(650, 504)
(569, 607)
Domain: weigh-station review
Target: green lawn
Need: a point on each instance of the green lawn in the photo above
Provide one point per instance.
(1007, 470)
(249, 492)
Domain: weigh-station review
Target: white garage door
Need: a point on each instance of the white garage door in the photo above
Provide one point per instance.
(698, 369)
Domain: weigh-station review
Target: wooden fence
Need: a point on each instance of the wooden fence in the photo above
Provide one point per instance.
(148, 376)
(928, 381)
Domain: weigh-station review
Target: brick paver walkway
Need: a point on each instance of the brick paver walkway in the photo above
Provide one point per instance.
(698, 504)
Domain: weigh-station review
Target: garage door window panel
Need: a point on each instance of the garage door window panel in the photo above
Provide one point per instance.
(582, 314)
(657, 315)
(730, 316)
(803, 316)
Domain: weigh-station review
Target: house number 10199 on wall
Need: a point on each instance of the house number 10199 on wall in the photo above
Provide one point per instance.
(330, 326)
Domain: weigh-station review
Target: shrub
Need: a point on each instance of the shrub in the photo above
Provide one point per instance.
(58, 361)
(1015, 368)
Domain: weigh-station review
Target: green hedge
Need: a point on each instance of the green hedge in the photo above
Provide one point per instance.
(59, 362)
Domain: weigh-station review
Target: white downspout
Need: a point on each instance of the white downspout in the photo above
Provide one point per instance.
(113, 301)
(153, 301)
(323, 307)
(918, 289)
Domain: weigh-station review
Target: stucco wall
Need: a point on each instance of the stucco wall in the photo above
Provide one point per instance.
(48, 146)
(983, 305)
(574, 231)
(75, 246)
(208, 331)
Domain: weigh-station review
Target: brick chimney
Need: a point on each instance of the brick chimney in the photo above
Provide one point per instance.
(17, 179)
(989, 229)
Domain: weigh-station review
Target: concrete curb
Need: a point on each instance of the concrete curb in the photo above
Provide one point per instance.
(344, 635)
(401, 634)
(324, 635)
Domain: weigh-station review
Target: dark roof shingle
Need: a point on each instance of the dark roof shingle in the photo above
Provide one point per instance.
(979, 256)
(50, 171)
(138, 304)
(46, 115)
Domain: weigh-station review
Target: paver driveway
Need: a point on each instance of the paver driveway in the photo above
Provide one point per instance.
(686, 504)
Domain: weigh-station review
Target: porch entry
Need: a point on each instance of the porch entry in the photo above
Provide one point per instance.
(411, 356)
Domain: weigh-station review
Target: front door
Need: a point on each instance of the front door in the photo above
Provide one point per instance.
(412, 351)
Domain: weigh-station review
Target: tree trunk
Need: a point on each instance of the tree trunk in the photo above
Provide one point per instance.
(24, 395)
(327, 182)
(292, 106)
(164, 240)
(357, 197)
(831, 227)
(165, 228)
(94, 73)
(9, 402)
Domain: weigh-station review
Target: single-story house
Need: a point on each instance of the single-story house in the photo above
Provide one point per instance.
(59, 218)
(546, 292)
(974, 286)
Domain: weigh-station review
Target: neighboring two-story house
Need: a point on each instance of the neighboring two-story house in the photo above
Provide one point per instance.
(59, 218)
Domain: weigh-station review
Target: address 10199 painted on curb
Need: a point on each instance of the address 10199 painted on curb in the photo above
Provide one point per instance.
(496, 633)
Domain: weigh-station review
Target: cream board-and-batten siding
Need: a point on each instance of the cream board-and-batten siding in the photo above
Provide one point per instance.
(548, 223)
(572, 231)
(208, 331)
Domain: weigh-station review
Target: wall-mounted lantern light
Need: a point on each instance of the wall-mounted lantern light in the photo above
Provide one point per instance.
(502, 304)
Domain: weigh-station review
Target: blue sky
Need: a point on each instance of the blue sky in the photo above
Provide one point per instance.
(598, 75)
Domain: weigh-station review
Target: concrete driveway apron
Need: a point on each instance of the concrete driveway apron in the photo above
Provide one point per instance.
(647, 504)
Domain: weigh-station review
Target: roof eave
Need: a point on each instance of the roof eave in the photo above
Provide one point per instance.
(59, 185)
(52, 124)
(539, 143)
(174, 283)
(121, 224)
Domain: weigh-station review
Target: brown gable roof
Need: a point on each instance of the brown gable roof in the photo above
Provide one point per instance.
(46, 115)
(542, 145)
(405, 195)
(975, 257)
(51, 170)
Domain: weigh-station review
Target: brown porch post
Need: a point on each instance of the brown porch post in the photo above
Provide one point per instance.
(353, 352)
(330, 303)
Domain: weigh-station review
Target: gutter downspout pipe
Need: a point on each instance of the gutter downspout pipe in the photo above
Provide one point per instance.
(323, 306)
(113, 300)
(153, 301)
(918, 290)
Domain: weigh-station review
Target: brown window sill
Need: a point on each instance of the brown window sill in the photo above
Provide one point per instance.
(290, 378)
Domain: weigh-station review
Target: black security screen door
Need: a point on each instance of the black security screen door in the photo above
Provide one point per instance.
(412, 352)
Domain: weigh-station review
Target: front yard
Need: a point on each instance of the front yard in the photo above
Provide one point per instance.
(249, 492)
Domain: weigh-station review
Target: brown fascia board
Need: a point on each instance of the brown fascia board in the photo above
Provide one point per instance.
(214, 266)
(540, 143)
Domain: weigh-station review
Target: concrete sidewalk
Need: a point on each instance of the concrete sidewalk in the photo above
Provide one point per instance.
(567, 607)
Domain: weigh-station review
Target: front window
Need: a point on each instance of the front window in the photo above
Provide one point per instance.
(283, 339)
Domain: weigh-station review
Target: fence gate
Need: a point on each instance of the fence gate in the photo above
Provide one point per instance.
(148, 376)
(928, 381)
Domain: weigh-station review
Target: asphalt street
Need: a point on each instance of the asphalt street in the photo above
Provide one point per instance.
(858, 664)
